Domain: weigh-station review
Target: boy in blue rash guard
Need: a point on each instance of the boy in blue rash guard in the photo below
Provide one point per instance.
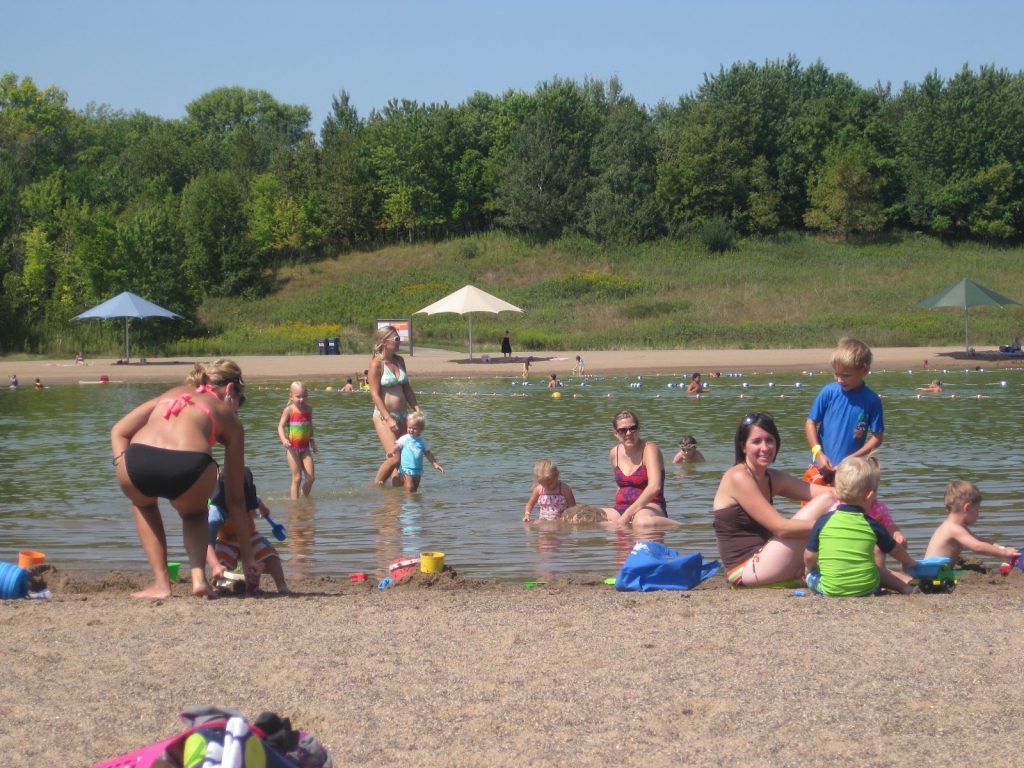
(413, 447)
(840, 554)
(846, 416)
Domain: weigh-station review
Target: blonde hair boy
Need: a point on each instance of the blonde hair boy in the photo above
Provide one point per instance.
(953, 536)
(856, 477)
(840, 553)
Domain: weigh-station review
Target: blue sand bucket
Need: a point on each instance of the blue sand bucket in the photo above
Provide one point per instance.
(13, 582)
(928, 567)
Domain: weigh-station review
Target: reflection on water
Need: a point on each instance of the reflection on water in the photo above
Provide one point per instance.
(300, 545)
(58, 492)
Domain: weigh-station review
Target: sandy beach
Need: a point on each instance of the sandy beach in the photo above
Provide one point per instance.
(439, 363)
(446, 671)
(441, 671)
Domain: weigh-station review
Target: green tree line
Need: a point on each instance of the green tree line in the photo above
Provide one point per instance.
(96, 201)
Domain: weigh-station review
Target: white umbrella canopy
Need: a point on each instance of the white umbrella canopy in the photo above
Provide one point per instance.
(126, 305)
(465, 301)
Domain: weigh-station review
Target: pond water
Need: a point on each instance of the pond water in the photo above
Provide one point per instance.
(58, 492)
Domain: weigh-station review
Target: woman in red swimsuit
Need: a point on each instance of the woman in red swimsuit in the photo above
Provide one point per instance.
(640, 474)
(162, 449)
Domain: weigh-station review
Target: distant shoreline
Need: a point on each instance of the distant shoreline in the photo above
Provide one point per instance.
(433, 363)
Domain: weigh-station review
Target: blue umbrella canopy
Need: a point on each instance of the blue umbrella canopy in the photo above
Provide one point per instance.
(964, 295)
(127, 305)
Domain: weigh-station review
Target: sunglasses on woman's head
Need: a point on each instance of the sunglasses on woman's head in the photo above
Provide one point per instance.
(239, 388)
(626, 430)
(750, 418)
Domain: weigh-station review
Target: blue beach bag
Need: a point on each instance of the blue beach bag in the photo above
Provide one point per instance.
(651, 566)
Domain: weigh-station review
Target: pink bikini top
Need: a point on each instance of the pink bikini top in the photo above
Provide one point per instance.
(176, 405)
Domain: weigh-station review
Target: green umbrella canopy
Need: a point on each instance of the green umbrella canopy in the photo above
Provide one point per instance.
(966, 294)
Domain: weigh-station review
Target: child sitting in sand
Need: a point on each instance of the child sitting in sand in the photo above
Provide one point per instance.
(840, 553)
(688, 452)
(413, 448)
(222, 551)
(963, 505)
(553, 496)
(879, 511)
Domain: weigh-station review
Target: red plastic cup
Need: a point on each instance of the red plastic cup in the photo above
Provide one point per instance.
(356, 578)
(1004, 568)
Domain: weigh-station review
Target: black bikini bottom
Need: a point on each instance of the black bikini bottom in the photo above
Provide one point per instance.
(160, 472)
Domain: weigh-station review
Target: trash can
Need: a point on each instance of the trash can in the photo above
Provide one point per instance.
(321, 345)
(333, 346)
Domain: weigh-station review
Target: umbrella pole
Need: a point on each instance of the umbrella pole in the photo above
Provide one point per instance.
(126, 339)
(470, 315)
(967, 338)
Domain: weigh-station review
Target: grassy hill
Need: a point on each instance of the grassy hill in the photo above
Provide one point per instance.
(788, 291)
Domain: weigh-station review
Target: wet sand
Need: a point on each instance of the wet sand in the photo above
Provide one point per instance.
(433, 363)
(443, 671)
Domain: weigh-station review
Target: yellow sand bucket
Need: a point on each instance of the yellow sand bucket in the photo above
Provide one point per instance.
(29, 558)
(432, 562)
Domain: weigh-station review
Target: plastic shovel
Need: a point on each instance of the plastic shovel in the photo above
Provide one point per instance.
(277, 529)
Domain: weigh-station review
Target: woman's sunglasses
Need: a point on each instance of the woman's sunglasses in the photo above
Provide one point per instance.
(626, 430)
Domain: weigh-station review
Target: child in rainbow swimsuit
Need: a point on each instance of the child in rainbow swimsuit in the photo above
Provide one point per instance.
(296, 432)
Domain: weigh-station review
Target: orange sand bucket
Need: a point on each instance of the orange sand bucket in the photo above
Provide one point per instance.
(432, 562)
(28, 558)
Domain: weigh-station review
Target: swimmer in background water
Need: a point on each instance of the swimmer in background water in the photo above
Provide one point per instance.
(688, 452)
(935, 386)
(696, 386)
(554, 382)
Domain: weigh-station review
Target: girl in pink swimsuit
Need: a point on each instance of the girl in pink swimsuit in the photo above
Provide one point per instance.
(550, 493)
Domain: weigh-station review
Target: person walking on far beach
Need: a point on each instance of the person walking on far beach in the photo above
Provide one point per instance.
(506, 345)
(295, 429)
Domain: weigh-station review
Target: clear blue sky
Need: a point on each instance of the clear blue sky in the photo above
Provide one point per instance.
(158, 55)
